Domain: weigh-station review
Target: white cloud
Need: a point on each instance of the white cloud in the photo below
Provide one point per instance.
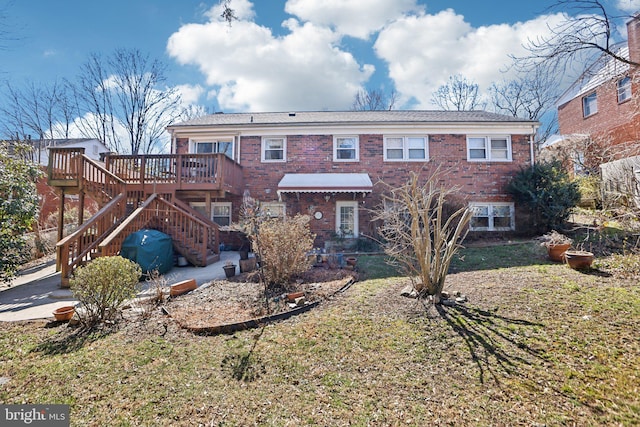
(356, 18)
(630, 6)
(254, 70)
(423, 51)
(190, 93)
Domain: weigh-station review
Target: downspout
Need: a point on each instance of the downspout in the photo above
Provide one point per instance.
(533, 130)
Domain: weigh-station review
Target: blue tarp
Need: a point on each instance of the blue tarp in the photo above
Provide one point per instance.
(151, 249)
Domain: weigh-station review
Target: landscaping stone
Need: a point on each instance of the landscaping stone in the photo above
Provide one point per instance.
(409, 292)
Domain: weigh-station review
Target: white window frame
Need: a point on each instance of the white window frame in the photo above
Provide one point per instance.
(193, 144)
(491, 217)
(336, 148)
(221, 204)
(590, 104)
(265, 148)
(488, 148)
(623, 87)
(406, 148)
(273, 209)
(354, 205)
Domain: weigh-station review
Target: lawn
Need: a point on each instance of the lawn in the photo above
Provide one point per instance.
(536, 344)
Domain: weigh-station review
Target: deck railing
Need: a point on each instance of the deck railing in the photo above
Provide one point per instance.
(217, 170)
(82, 245)
(189, 233)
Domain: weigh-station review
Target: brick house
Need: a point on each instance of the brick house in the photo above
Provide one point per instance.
(601, 107)
(329, 164)
(326, 164)
(598, 117)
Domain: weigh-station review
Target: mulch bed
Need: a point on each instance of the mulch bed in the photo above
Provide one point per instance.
(240, 303)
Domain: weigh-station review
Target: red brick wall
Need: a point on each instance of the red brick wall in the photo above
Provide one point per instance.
(477, 181)
(615, 121)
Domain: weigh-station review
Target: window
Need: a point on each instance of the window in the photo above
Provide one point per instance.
(346, 148)
(406, 148)
(489, 148)
(347, 219)
(492, 217)
(273, 209)
(214, 146)
(274, 149)
(624, 89)
(589, 104)
(221, 213)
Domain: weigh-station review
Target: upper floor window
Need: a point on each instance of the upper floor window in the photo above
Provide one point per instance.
(218, 145)
(346, 148)
(274, 149)
(489, 148)
(492, 217)
(406, 148)
(624, 89)
(590, 104)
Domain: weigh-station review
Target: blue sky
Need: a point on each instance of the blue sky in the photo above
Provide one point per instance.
(281, 55)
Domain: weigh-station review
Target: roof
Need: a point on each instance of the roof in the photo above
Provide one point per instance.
(325, 183)
(349, 117)
(602, 70)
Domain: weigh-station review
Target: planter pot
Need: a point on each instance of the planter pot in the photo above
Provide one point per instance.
(579, 260)
(229, 270)
(247, 265)
(183, 287)
(243, 254)
(352, 261)
(64, 314)
(556, 252)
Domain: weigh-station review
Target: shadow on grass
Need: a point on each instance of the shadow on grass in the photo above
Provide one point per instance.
(490, 339)
(70, 339)
(245, 365)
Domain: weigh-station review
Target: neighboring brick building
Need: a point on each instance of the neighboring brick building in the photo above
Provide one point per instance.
(598, 115)
(329, 164)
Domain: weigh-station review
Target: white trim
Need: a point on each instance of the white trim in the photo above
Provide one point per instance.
(335, 148)
(263, 148)
(354, 205)
(203, 139)
(490, 207)
(487, 148)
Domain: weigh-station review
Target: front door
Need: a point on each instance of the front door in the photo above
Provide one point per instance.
(347, 219)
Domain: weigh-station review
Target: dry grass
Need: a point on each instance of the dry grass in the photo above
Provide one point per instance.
(536, 344)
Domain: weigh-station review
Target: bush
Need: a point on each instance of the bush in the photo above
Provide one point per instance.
(547, 192)
(103, 286)
(283, 245)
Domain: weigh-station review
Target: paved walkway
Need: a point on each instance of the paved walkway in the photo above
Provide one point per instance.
(36, 292)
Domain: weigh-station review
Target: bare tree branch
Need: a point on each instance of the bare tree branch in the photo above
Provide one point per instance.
(372, 99)
(458, 94)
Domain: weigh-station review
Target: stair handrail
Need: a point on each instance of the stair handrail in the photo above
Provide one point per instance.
(72, 249)
(158, 213)
(109, 182)
(214, 238)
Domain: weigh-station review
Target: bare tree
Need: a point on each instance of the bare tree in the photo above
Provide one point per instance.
(529, 96)
(458, 94)
(35, 111)
(422, 231)
(372, 99)
(123, 94)
(587, 32)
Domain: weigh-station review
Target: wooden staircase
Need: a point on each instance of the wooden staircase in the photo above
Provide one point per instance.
(123, 211)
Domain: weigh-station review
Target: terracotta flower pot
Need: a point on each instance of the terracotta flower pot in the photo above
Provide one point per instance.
(64, 314)
(579, 260)
(556, 252)
(352, 261)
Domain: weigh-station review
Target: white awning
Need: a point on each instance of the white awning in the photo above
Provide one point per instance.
(325, 183)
